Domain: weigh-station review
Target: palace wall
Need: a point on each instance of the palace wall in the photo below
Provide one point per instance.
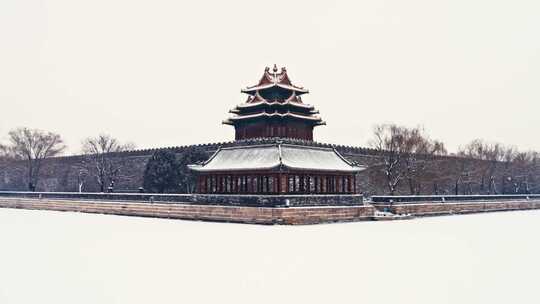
(63, 174)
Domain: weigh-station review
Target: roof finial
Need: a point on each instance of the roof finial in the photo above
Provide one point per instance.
(275, 68)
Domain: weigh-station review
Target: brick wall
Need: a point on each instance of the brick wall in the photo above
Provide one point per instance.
(61, 174)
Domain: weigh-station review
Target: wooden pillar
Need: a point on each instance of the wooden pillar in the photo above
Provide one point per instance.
(258, 184)
(223, 183)
(326, 184)
(205, 184)
(254, 183)
(241, 185)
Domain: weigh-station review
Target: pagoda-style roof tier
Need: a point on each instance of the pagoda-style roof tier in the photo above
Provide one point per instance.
(275, 98)
(253, 90)
(270, 107)
(277, 156)
(315, 120)
(274, 80)
(257, 101)
(274, 104)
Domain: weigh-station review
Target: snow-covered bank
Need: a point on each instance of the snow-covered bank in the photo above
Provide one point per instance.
(52, 257)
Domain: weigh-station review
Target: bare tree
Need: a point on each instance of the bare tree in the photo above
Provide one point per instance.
(419, 150)
(405, 153)
(465, 169)
(101, 160)
(495, 157)
(507, 168)
(82, 176)
(389, 142)
(33, 146)
(4, 154)
(523, 169)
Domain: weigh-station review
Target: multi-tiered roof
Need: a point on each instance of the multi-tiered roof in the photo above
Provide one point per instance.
(274, 108)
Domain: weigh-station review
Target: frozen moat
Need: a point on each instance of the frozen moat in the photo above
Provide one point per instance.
(55, 257)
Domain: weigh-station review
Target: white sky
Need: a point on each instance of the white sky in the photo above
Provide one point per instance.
(165, 73)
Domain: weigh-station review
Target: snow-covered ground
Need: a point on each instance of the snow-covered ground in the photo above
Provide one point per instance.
(53, 257)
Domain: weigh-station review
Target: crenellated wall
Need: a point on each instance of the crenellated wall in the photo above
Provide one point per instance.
(62, 174)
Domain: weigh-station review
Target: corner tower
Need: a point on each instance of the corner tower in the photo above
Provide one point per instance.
(274, 108)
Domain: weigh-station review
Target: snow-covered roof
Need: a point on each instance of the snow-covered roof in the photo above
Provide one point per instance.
(276, 114)
(275, 103)
(273, 156)
(253, 90)
(275, 79)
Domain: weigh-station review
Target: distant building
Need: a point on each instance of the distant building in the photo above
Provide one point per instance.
(274, 109)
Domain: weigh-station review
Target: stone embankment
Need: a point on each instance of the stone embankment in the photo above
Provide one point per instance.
(271, 215)
(235, 214)
(454, 204)
(449, 208)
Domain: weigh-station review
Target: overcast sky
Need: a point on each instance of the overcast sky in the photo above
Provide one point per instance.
(165, 73)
